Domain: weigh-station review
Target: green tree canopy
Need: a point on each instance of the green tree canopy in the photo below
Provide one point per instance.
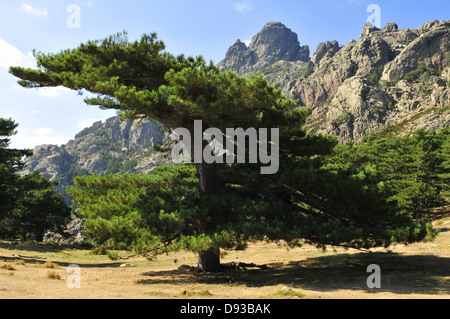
(413, 170)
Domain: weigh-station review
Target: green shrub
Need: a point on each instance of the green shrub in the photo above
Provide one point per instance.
(421, 74)
(388, 84)
(442, 110)
(113, 255)
(447, 59)
(288, 294)
(345, 117)
(375, 77)
(100, 250)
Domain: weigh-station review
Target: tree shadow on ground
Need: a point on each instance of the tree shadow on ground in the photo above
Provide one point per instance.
(36, 247)
(39, 260)
(32, 251)
(399, 274)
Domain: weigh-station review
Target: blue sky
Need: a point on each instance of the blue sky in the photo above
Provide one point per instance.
(192, 27)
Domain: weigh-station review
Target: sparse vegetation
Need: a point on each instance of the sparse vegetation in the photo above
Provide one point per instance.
(192, 293)
(112, 255)
(442, 110)
(100, 250)
(422, 74)
(52, 274)
(8, 267)
(338, 273)
(447, 59)
(49, 264)
(391, 106)
(388, 84)
(344, 118)
(288, 294)
(375, 77)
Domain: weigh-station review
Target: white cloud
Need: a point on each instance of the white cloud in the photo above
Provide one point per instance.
(29, 9)
(44, 131)
(11, 56)
(242, 6)
(40, 136)
(53, 92)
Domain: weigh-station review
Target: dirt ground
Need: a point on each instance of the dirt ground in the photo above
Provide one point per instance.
(419, 271)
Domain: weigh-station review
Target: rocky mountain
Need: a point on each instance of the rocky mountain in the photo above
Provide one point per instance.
(390, 79)
(105, 148)
(274, 43)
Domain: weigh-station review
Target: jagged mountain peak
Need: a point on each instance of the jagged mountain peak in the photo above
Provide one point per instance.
(274, 43)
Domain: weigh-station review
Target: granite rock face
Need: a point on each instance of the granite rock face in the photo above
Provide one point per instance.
(337, 83)
(114, 146)
(274, 43)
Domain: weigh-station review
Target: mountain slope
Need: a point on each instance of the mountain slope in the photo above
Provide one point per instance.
(104, 148)
(366, 85)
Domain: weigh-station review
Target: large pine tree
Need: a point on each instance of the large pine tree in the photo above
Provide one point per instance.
(206, 207)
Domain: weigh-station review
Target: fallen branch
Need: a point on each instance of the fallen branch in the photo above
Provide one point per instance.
(233, 266)
(242, 266)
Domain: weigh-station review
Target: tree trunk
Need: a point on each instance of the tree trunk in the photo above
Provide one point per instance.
(209, 260)
(208, 179)
(39, 237)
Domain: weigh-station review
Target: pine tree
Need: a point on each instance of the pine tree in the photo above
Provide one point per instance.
(40, 209)
(412, 170)
(10, 164)
(28, 204)
(214, 205)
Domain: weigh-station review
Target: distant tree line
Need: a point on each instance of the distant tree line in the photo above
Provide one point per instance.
(29, 204)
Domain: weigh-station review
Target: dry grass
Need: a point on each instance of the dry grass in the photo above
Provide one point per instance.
(49, 264)
(51, 274)
(416, 271)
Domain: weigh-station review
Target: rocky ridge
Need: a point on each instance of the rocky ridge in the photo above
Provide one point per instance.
(274, 43)
(339, 83)
(105, 148)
